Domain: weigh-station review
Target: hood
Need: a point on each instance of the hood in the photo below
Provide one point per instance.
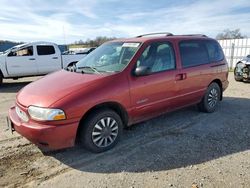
(51, 88)
(245, 61)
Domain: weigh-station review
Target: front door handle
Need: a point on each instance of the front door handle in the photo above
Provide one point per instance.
(32, 59)
(54, 57)
(181, 76)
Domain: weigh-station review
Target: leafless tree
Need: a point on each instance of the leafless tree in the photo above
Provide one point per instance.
(230, 34)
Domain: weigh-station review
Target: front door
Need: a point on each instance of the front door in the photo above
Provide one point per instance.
(22, 62)
(151, 94)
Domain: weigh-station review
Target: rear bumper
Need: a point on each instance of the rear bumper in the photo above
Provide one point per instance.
(49, 136)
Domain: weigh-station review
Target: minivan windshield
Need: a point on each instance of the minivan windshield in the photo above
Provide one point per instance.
(109, 57)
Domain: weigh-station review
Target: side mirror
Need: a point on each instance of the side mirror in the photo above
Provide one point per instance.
(142, 71)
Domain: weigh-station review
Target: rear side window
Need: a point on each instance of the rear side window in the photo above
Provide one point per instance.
(193, 53)
(45, 50)
(214, 51)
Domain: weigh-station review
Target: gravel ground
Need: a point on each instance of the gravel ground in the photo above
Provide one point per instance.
(184, 148)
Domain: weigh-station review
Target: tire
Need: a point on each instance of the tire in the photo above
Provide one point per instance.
(237, 77)
(101, 131)
(211, 98)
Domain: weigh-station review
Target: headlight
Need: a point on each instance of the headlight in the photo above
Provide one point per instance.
(46, 114)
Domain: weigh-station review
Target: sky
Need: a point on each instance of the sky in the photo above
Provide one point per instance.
(64, 21)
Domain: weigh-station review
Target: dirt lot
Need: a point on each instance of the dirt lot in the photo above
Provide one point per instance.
(181, 149)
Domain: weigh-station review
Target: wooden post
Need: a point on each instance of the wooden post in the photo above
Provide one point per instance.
(232, 56)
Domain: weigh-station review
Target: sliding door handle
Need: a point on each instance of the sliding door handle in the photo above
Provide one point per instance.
(181, 76)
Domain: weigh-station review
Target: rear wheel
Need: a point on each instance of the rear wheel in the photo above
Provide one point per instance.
(101, 131)
(211, 98)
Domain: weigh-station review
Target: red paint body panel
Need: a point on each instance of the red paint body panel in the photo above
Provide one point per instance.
(54, 136)
(141, 97)
(51, 88)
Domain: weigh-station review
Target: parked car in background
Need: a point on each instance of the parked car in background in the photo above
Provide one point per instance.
(121, 83)
(242, 70)
(84, 51)
(32, 59)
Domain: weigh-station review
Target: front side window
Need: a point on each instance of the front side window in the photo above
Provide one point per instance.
(158, 57)
(45, 50)
(110, 57)
(26, 51)
(193, 53)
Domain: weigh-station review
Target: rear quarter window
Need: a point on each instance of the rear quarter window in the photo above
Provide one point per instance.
(193, 53)
(214, 51)
(45, 50)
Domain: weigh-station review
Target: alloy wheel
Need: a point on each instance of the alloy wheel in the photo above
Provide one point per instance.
(212, 98)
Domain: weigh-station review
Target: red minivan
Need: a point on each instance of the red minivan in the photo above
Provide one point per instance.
(120, 83)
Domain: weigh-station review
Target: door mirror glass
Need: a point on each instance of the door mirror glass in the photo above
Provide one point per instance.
(142, 71)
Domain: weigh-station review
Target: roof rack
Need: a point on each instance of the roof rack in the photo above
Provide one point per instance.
(161, 33)
(170, 34)
(198, 35)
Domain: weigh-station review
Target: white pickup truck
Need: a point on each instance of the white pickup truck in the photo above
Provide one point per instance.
(32, 59)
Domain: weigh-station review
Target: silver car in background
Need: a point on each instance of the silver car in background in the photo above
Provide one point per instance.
(242, 70)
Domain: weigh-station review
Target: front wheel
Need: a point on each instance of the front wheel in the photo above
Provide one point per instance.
(101, 131)
(211, 98)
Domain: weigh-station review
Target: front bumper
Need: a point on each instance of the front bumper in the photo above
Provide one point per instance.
(49, 136)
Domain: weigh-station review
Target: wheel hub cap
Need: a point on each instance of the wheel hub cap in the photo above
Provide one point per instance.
(105, 132)
(212, 98)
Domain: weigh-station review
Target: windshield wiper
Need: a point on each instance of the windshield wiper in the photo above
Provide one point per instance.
(89, 67)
